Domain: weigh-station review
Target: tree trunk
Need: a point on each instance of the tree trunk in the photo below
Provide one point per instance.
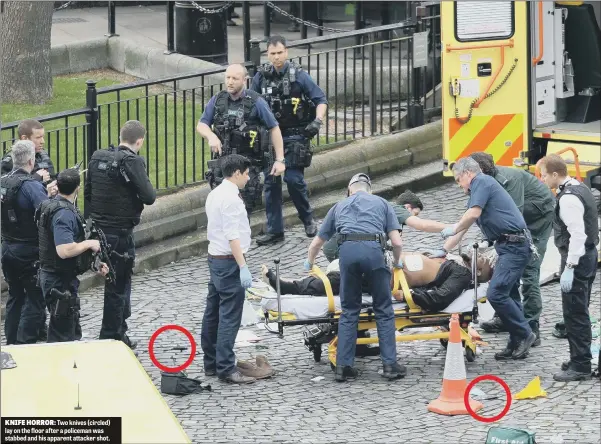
(25, 71)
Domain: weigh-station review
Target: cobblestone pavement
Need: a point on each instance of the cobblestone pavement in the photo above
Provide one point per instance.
(291, 407)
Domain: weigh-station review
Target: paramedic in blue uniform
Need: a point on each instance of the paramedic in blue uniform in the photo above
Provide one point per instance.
(501, 222)
(362, 221)
(576, 237)
(228, 232)
(300, 107)
(22, 193)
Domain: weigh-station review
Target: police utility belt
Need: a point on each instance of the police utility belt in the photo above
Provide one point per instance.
(357, 237)
(518, 237)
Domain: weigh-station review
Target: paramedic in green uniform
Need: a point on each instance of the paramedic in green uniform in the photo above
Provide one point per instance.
(536, 202)
(407, 209)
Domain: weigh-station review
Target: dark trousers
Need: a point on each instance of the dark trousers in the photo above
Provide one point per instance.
(575, 310)
(297, 188)
(359, 259)
(222, 316)
(504, 287)
(65, 327)
(532, 301)
(452, 280)
(25, 310)
(117, 295)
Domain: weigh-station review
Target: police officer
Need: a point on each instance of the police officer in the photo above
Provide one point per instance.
(21, 195)
(536, 203)
(65, 253)
(407, 208)
(300, 107)
(43, 169)
(117, 188)
(576, 237)
(243, 124)
(501, 222)
(362, 222)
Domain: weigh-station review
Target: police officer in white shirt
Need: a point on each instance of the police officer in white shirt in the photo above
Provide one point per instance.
(228, 232)
(576, 237)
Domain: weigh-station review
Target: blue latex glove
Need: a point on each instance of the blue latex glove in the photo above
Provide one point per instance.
(307, 265)
(448, 232)
(246, 278)
(566, 280)
(436, 253)
(400, 264)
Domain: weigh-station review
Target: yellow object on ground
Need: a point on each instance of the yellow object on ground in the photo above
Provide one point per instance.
(112, 383)
(532, 390)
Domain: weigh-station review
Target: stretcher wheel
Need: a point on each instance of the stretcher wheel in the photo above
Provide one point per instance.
(317, 354)
(470, 355)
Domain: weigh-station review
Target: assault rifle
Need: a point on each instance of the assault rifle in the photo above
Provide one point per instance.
(104, 255)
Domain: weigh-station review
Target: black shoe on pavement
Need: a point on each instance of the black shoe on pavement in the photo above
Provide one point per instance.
(537, 333)
(565, 365)
(495, 325)
(209, 373)
(43, 333)
(131, 344)
(506, 353)
(311, 229)
(342, 373)
(394, 371)
(523, 347)
(571, 375)
(270, 238)
(560, 331)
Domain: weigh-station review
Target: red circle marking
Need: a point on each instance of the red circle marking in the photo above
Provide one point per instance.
(470, 386)
(162, 367)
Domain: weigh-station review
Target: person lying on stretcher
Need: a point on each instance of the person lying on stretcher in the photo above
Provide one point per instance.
(434, 282)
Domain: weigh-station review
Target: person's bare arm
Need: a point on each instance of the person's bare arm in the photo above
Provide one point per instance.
(314, 248)
(320, 111)
(397, 245)
(65, 251)
(207, 133)
(237, 252)
(429, 226)
(453, 241)
(278, 142)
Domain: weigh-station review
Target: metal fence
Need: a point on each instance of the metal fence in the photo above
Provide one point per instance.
(367, 75)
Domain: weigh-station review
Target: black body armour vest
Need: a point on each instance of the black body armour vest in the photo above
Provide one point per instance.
(113, 201)
(18, 223)
(238, 130)
(293, 110)
(49, 258)
(591, 221)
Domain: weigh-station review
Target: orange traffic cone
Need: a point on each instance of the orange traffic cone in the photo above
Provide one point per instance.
(454, 383)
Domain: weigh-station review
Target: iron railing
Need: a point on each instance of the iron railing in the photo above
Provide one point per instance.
(367, 75)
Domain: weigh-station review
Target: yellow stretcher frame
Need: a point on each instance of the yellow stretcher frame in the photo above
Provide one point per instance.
(411, 317)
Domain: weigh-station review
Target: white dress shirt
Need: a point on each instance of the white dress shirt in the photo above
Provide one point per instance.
(227, 219)
(571, 212)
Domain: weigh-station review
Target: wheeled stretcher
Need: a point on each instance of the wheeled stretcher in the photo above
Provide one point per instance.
(320, 315)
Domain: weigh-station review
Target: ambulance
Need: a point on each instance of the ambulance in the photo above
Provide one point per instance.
(521, 80)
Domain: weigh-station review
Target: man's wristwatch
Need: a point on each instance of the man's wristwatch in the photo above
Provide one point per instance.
(570, 266)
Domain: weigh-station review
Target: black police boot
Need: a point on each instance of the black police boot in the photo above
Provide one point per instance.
(523, 347)
(560, 330)
(565, 365)
(572, 374)
(506, 353)
(270, 238)
(342, 373)
(131, 344)
(394, 371)
(536, 331)
(311, 229)
(495, 325)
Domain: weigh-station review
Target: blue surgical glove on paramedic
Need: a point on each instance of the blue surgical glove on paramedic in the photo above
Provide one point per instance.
(567, 279)
(246, 278)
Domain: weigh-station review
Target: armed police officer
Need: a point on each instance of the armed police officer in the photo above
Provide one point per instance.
(243, 124)
(501, 223)
(21, 195)
(361, 222)
(536, 202)
(576, 237)
(65, 253)
(117, 188)
(43, 169)
(300, 107)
